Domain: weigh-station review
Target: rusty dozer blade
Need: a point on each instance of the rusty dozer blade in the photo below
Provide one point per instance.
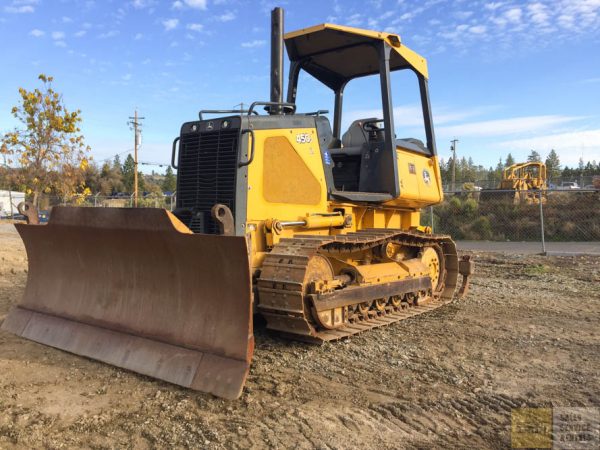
(137, 289)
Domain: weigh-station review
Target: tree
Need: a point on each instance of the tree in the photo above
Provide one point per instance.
(128, 171)
(127, 177)
(553, 165)
(92, 178)
(48, 148)
(117, 164)
(169, 184)
(111, 179)
(534, 156)
(509, 160)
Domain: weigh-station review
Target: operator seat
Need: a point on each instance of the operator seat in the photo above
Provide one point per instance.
(355, 139)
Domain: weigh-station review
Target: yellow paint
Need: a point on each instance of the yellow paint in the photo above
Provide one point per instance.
(269, 174)
(259, 207)
(415, 60)
(286, 177)
(414, 170)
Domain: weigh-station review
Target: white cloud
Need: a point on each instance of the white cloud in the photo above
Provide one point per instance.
(141, 4)
(126, 77)
(509, 25)
(170, 24)
(566, 21)
(411, 115)
(138, 36)
(502, 127)
(227, 17)
(36, 33)
(493, 5)
(58, 35)
(463, 15)
(478, 29)
(538, 13)
(60, 43)
(513, 15)
(404, 116)
(66, 19)
(254, 43)
(570, 145)
(195, 27)
(108, 34)
(16, 9)
(80, 33)
(194, 4)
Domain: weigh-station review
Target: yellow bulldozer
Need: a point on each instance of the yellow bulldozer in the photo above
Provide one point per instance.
(277, 214)
(521, 183)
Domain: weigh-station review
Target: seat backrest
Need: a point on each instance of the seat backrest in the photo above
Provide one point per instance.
(356, 136)
(324, 131)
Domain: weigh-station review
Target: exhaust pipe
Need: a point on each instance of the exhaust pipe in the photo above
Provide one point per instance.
(276, 60)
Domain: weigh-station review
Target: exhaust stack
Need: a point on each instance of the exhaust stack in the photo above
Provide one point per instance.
(276, 60)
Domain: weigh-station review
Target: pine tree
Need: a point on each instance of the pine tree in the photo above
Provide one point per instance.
(128, 171)
(534, 156)
(117, 164)
(509, 160)
(553, 165)
(169, 183)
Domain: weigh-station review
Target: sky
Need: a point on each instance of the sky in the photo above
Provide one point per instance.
(505, 76)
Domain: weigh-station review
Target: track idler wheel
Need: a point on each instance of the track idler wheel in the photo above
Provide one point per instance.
(318, 273)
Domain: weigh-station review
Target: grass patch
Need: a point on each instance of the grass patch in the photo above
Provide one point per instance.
(537, 269)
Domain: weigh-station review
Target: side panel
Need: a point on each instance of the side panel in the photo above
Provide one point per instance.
(420, 180)
(300, 168)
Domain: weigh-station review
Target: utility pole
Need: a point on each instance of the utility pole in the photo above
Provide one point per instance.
(453, 148)
(137, 134)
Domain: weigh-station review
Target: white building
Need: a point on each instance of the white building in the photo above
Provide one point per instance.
(5, 198)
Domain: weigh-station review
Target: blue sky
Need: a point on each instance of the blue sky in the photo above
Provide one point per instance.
(505, 76)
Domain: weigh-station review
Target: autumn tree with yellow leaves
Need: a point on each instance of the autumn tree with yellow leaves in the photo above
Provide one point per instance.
(47, 149)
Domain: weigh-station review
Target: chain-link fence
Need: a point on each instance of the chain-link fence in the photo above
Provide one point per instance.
(508, 215)
(47, 202)
(486, 215)
(585, 182)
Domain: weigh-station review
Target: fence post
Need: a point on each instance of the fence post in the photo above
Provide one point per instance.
(542, 222)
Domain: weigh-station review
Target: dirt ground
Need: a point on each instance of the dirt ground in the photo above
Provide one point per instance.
(526, 335)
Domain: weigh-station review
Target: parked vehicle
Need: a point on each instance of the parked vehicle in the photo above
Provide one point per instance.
(568, 185)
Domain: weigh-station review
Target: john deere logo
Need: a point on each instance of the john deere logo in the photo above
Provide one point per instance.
(426, 176)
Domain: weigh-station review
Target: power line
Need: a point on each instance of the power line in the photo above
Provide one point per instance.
(110, 158)
(148, 163)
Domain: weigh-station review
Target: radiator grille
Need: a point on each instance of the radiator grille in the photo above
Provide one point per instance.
(206, 175)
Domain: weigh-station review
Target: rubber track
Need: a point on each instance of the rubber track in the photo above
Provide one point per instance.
(281, 283)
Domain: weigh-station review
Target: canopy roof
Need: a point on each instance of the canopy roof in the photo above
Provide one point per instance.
(334, 54)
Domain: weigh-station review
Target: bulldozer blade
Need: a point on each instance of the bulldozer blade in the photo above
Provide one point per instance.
(135, 288)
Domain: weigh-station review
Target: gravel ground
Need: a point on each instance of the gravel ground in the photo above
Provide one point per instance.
(526, 335)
